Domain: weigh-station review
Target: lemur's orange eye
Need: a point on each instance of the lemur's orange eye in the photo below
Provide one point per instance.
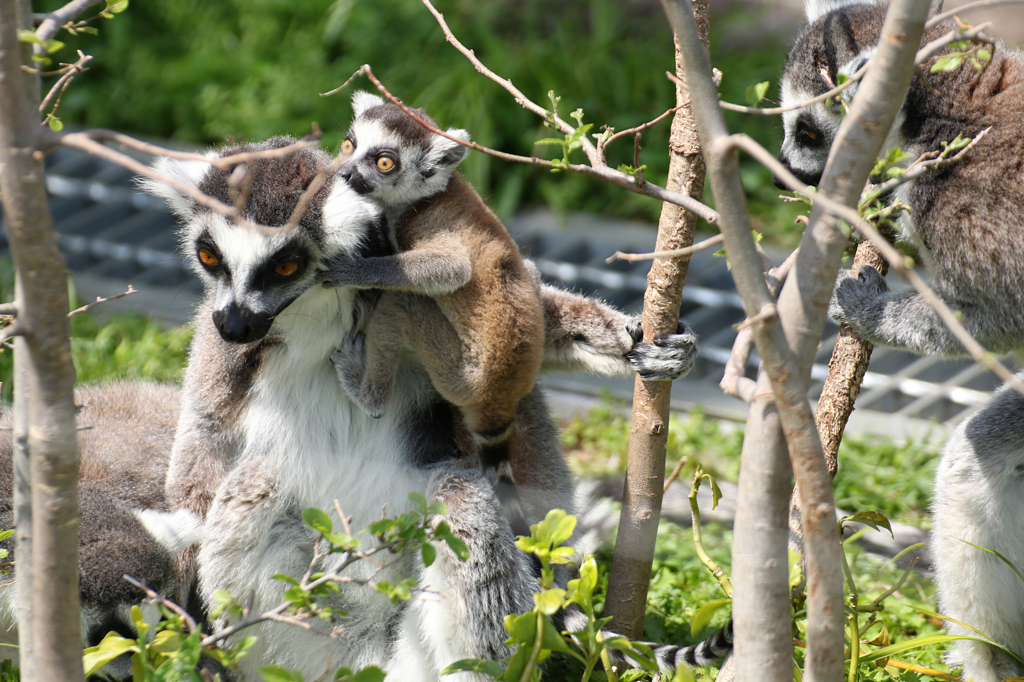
(347, 147)
(208, 259)
(385, 163)
(286, 269)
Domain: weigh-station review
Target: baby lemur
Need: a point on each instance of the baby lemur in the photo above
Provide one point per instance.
(457, 293)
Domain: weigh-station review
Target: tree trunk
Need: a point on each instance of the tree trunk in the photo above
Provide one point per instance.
(46, 373)
(645, 466)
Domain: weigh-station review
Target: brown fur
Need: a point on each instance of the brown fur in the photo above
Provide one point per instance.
(483, 343)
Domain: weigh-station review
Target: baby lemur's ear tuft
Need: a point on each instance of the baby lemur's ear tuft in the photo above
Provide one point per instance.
(452, 153)
(362, 101)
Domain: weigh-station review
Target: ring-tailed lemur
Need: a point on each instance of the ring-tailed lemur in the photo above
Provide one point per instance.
(124, 443)
(967, 221)
(456, 293)
(267, 430)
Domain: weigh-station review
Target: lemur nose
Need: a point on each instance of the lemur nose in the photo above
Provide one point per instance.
(345, 173)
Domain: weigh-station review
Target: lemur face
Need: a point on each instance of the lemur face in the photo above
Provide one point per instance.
(838, 42)
(256, 274)
(392, 158)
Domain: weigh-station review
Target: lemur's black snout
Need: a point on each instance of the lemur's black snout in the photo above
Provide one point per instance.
(355, 180)
(238, 324)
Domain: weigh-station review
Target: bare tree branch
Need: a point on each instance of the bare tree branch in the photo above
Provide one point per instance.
(775, 111)
(221, 162)
(939, 18)
(708, 243)
(99, 301)
(602, 144)
(50, 23)
(521, 99)
(8, 309)
(65, 80)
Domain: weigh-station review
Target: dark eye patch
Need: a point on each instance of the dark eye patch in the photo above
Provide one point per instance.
(807, 134)
(290, 253)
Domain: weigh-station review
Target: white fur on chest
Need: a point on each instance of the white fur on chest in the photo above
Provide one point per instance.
(307, 445)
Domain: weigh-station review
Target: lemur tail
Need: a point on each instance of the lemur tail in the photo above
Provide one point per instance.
(705, 653)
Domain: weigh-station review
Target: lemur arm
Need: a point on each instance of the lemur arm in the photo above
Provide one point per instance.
(906, 321)
(586, 334)
(424, 271)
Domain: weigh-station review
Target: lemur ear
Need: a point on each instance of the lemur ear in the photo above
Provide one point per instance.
(816, 9)
(188, 172)
(363, 100)
(452, 153)
(852, 67)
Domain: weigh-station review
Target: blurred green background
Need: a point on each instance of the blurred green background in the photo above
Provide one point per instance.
(202, 72)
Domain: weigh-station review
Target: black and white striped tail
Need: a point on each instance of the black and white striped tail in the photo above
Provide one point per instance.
(706, 653)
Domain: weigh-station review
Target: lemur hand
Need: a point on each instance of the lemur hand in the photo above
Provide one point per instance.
(668, 358)
(852, 296)
(342, 270)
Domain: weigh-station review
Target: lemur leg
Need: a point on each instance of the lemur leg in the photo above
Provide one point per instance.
(979, 498)
(466, 617)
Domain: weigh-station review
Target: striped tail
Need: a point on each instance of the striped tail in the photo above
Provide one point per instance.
(705, 653)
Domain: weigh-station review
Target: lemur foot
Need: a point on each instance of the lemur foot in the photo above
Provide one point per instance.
(350, 365)
(668, 358)
(853, 296)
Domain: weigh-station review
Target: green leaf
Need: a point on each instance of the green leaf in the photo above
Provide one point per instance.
(53, 45)
(115, 7)
(318, 520)
(27, 36)
(286, 578)
(948, 63)
(756, 93)
(275, 673)
(549, 601)
(370, 674)
(429, 553)
(56, 125)
(551, 141)
(684, 674)
(796, 574)
(551, 639)
(458, 546)
(112, 646)
(874, 519)
(4, 534)
(921, 643)
(474, 665)
(705, 613)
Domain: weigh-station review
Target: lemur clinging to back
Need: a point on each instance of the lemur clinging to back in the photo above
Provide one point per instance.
(967, 221)
(457, 293)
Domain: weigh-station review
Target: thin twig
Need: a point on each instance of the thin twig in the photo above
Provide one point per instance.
(767, 312)
(708, 243)
(8, 309)
(775, 111)
(734, 380)
(521, 99)
(64, 81)
(51, 23)
(949, 14)
(926, 162)
(954, 36)
(221, 162)
(675, 473)
(896, 260)
(10, 331)
(98, 301)
(603, 172)
(603, 145)
(158, 600)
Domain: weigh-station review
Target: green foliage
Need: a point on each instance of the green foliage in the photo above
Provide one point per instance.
(977, 55)
(755, 93)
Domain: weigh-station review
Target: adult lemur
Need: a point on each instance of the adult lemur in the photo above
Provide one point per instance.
(967, 221)
(456, 293)
(267, 430)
